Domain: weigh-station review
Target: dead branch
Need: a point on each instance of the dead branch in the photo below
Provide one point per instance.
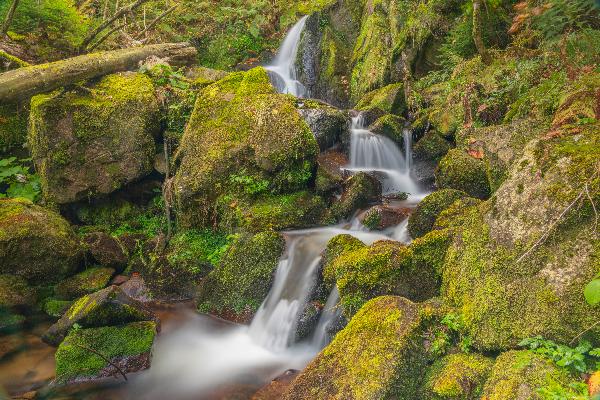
(106, 36)
(104, 358)
(155, 21)
(9, 17)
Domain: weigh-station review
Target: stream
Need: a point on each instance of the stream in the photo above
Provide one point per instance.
(197, 356)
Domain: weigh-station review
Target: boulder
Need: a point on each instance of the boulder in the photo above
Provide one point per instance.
(328, 124)
(13, 126)
(390, 126)
(381, 354)
(424, 216)
(242, 139)
(431, 147)
(461, 171)
(275, 390)
(107, 307)
(56, 308)
(106, 250)
(382, 217)
(15, 293)
(86, 282)
(377, 103)
(457, 376)
(93, 143)
(329, 172)
(237, 287)
(360, 191)
(35, 243)
(83, 355)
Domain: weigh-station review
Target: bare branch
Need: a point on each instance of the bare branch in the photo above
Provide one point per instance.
(104, 358)
(9, 17)
(155, 21)
(106, 36)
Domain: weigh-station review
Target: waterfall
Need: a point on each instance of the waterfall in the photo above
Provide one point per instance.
(283, 69)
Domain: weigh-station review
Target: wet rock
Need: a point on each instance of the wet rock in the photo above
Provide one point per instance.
(86, 282)
(390, 126)
(137, 289)
(377, 103)
(360, 191)
(308, 320)
(15, 293)
(328, 124)
(35, 243)
(110, 306)
(423, 218)
(10, 322)
(276, 389)
(330, 175)
(57, 308)
(128, 347)
(106, 250)
(431, 147)
(97, 142)
(381, 217)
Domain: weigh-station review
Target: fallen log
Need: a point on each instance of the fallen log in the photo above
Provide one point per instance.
(23, 83)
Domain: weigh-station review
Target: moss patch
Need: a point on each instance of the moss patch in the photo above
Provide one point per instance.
(457, 376)
(423, 218)
(86, 282)
(458, 170)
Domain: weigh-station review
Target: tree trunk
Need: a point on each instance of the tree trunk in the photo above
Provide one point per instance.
(23, 83)
(478, 31)
(9, 18)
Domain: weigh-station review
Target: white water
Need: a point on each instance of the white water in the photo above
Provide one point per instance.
(283, 69)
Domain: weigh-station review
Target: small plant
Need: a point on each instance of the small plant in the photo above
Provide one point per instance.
(451, 333)
(592, 291)
(16, 180)
(248, 184)
(582, 359)
(372, 219)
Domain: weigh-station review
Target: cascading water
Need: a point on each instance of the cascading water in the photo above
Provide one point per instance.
(283, 70)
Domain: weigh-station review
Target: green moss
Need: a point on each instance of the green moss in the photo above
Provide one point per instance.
(422, 220)
(236, 288)
(35, 243)
(56, 308)
(74, 362)
(11, 62)
(457, 376)
(429, 251)
(391, 126)
(197, 250)
(372, 219)
(86, 282)
(15, 292)
(431, 147)
(458, 170)
(360, 191)
(452, 216)
(13, 126)
(9, 322)
(388, 100)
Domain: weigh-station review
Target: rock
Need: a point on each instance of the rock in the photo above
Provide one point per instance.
(382, 217)
(459, 170)
(275, 390)
(431, 147)
(457, 376)
(519, 375)
(203, 76)
(381, 354)
(309, 318)
(423, 217)
(360, 191)
(94, 143)
(384, 268)
(329, 172)
(391, 126)
(328, 124)
(520, 256)
(13, 125)
(86, 282)
(277, 212)
(377, 103)
(106, 212)
(127, 346)
(106, 250)
(110, 306)
(15, 293)
(35, 243)
(237, 287)
(57, 308)
(242, 139)
(452, 216)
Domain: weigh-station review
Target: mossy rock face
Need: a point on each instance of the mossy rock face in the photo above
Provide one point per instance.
(94, 143)
(422, 220)
(380, 355)
(15, 293)
(431, 147)
(518, 375)
(35, 243)
(457, 376)
(520, 256)
(277, 212)
(391, 126)
(329, 177)
(110, 306)
(107, 213)
(106, 250)
(378, 103)
(13, 126)
(241, 131)
(452, 216)
(328, 124)
(360, 191)
(202, 76)
(127, 346)
(86, 282)
(57, 308)
(237, 287)
(459, 170)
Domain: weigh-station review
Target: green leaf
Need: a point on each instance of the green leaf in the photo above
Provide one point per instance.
(592, 292)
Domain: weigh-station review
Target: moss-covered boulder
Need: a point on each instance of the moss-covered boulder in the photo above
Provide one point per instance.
(35, 243)
(423, 217)
(330, 177)
(129, 347)
(15, 293)
(360, 191)
(89, 281)
(328, 124)
(363, 272)
(531, 249)
(277, 212)
(431, 147)
(459, 170)
(56, 308)
(381, 355)
(237, 287)
(13, 126)
(106, 250)
(457, 376)
(386, 100)
(241, 135)
(521, 374)
(453, 215)
(381, 217)
(95, 142)
(391, 126)
(107, 307)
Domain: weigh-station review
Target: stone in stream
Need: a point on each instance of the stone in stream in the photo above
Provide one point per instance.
(85, 282)
(35, 243)
(15, 293)
(423, 218)
(360, 191)
(390, 126)
(93, 143)
(330, 176)
(106, 250)
(107, 307)
(381, 217)
(377, 103)
(328, 124)
(460, 171)
(276, 389)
